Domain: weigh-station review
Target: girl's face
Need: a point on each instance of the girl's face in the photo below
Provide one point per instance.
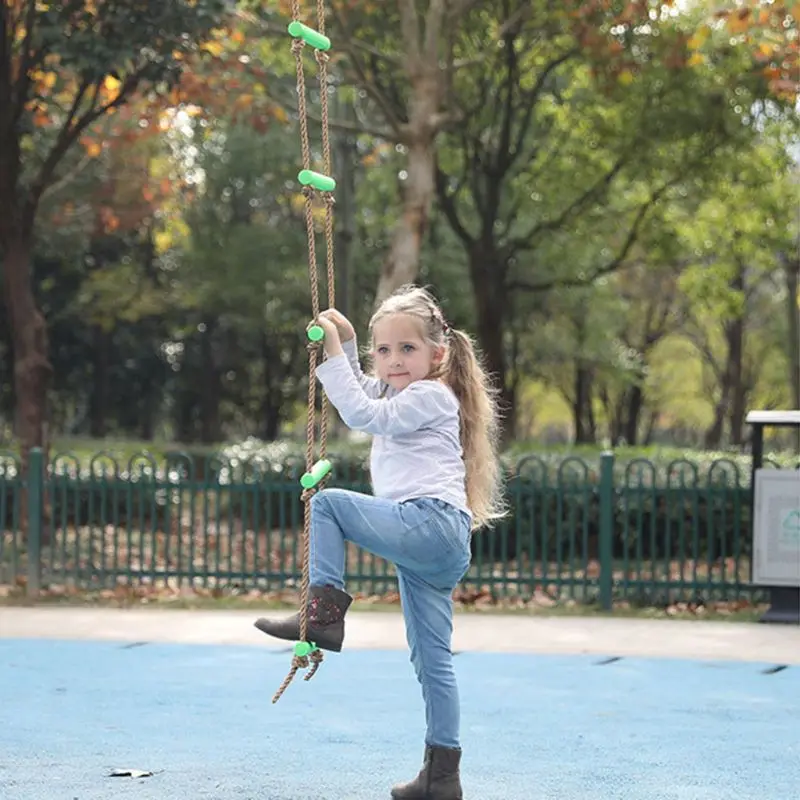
(400, 354)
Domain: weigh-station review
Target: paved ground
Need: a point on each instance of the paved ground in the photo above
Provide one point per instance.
(617, 709)
(476, 632)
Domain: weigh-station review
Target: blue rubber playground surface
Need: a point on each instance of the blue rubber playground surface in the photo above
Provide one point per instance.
(200, 719)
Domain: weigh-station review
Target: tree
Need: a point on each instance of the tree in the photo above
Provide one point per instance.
(744, 264)
(766, 31)
(63, 67)
(405, 63)
(581, 123)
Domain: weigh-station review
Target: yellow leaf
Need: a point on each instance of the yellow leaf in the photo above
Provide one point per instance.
(111, 85)
(699, 37)
(93, 149)
(280, 114)
(625, 77)
(695, 59)
(215, 48)
(740, 21)
(44, 80)
(163, 241)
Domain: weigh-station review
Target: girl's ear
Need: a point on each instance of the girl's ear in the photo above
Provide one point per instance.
(438, 354)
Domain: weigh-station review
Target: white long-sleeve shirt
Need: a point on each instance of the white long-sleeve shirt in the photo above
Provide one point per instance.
(416, 446)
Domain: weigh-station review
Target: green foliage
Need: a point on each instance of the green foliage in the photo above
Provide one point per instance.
(84, 59)
(568, 129)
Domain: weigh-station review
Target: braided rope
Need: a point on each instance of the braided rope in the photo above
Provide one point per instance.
(298, 45)
(322, 63)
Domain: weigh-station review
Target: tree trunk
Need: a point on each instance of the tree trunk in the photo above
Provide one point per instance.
(635, 404)
(32, 368)
(583, 414)
(490, 307)
(210, 395)
(731, 404)
(713, 435)
(735, 335)
(98, 402)
(402, 262)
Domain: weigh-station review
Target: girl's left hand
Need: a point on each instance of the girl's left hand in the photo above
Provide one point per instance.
(332, 342)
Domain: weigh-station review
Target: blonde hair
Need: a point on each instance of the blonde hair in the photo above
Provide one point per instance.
(463, 372)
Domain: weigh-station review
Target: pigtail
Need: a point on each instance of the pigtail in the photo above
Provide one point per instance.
(480, 428)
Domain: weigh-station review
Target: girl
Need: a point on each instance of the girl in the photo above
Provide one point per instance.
(435, 478)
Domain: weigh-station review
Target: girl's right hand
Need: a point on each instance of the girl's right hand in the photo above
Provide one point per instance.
(343, 325)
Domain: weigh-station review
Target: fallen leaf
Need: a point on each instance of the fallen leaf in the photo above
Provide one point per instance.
(130, 773)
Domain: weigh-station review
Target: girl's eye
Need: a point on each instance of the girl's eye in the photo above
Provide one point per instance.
(407, 348)
(383, 350)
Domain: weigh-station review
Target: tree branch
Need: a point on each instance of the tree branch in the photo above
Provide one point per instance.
(532, 97)
(447, 202)
(524, 241)
(391, 59)
(354, 127)
(70, 132)
(66, 179)
(26, 64)
(614, 263)
(363, 80)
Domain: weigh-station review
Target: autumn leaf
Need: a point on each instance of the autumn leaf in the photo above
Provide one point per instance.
(111, 86)
(215, 48)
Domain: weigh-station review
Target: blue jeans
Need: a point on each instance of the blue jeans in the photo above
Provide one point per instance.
(428, 541)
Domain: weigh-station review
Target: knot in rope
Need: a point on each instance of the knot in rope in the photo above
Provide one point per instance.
(297, 46)
(316, 658)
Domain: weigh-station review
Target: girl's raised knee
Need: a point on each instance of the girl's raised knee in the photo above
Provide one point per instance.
(324, 496)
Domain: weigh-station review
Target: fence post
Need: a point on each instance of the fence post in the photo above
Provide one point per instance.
(606, 530)
(35, 479)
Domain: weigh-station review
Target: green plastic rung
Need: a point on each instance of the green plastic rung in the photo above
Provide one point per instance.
(316, 333)
(309, 36)
(317, 473)
(304, 648)
(316, 179)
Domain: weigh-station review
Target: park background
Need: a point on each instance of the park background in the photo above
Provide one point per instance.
(604, 193)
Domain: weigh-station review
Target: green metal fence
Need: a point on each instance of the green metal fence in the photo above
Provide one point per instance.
(600, 532)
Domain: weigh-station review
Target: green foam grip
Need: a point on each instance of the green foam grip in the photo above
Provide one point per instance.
(316, 179)
(309, 36)
(304, 649)
(316, 333)
(317, 473)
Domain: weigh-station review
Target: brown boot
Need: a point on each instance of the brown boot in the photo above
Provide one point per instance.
(438, 779)
(326, 609)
